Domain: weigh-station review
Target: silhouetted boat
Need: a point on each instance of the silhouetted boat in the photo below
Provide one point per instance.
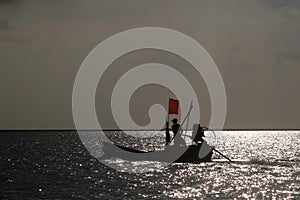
(196, 153)
(187, 154)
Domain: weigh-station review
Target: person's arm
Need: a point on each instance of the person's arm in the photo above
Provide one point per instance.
(204, 128)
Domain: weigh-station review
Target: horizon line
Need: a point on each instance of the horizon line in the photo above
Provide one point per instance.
(114, 129)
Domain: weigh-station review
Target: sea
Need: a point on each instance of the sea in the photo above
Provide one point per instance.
(40, 164)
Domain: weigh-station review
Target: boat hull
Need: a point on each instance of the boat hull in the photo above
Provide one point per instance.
(189, 154)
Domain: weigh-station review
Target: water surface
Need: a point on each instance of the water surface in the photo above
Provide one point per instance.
(55, 164)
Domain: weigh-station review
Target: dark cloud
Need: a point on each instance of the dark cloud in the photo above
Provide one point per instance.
(289, 56)
(277, 4)
(7, 2)
(12, 34)
(14, 38)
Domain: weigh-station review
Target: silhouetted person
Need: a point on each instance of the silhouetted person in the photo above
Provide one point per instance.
(198, 133)
(168, 137)
(177, 129)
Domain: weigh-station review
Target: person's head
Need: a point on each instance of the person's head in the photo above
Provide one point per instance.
(174, 121)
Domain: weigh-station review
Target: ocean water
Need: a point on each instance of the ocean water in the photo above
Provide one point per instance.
(56, 165)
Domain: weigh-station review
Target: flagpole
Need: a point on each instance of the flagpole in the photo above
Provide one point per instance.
(167, 126)
(168, 114)
(188, 119)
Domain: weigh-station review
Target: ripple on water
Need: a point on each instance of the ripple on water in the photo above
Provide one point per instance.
(56, 165)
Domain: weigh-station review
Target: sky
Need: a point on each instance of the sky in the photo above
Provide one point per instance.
(255, 45)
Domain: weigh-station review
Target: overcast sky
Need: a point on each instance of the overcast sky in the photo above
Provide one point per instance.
(255, 45)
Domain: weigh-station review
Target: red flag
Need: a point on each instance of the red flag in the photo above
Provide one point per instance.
(173, 106)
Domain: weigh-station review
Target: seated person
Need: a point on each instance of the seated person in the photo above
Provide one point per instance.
(198, 133)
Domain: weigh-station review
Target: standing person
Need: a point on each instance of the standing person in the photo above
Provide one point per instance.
(168, 137)
(177, 129)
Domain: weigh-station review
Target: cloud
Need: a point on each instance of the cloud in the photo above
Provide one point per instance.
(277, 4)
(289, 56)
(7, 2)
(13, 34)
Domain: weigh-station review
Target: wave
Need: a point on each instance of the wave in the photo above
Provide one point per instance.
(259, 161)
(275, 162)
